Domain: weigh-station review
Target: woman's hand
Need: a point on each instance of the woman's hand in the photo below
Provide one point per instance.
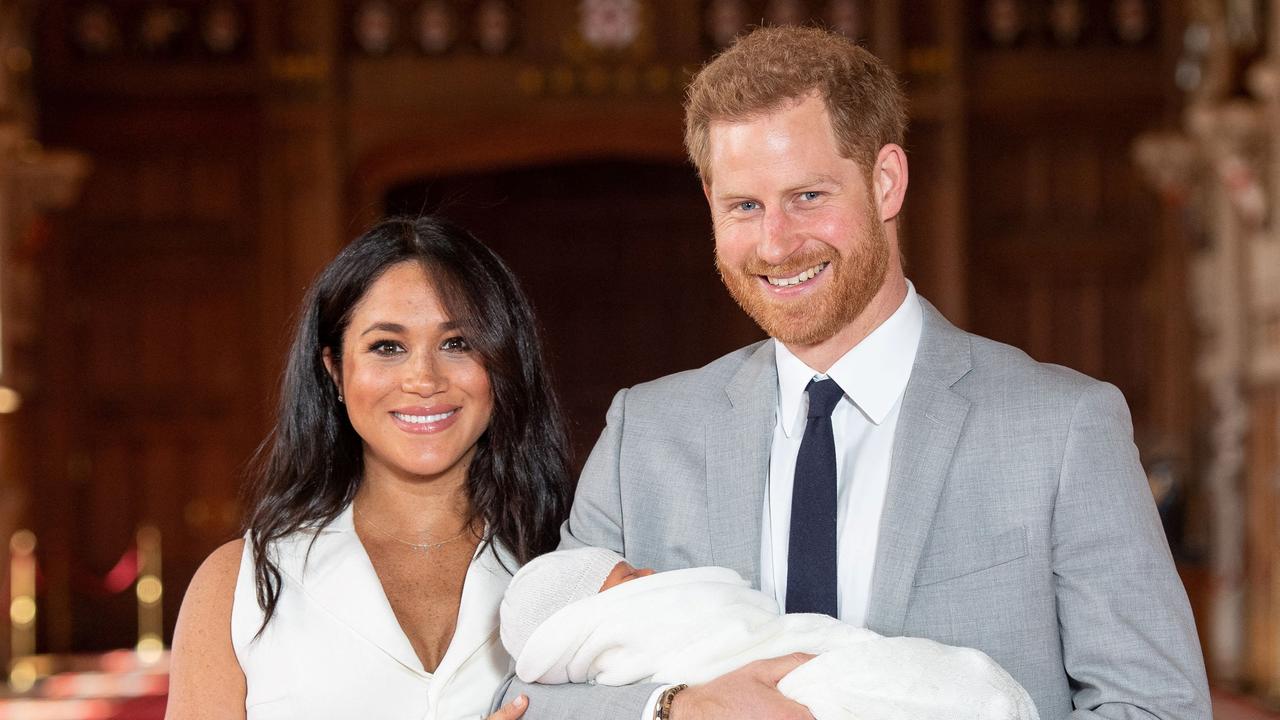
(511, 710)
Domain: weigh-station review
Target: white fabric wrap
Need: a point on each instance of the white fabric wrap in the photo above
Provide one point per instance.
(689, 626)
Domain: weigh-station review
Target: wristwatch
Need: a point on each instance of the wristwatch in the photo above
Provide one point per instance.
(663, 709)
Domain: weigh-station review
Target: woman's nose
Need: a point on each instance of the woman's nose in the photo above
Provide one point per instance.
(422, 377)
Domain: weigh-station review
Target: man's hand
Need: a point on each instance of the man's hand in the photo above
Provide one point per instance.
(750, 692)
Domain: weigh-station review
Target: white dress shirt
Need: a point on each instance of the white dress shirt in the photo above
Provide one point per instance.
(873, 375)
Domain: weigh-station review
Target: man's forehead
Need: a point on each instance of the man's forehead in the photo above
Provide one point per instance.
(776, 108)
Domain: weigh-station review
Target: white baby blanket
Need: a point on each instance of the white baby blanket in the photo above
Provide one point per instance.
(689, 626)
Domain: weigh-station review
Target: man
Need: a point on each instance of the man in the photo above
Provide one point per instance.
(871, 460)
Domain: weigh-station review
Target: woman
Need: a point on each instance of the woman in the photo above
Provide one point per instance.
(418, 457)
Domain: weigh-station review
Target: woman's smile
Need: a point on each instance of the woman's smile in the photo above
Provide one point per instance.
(436, 418)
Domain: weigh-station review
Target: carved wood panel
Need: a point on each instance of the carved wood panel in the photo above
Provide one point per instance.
(152, 395)
(1065, 246)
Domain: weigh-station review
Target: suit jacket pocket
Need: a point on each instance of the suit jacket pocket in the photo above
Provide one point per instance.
(970, 555)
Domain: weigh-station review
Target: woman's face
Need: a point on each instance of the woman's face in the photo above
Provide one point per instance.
(414, 390)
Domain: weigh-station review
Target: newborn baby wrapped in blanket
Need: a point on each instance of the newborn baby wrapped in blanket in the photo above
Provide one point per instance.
(586, 616)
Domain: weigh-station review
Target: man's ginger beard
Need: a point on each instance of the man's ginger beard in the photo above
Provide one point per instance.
(853, 282)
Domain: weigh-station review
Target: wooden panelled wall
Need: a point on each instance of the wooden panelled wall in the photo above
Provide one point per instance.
(224, 182)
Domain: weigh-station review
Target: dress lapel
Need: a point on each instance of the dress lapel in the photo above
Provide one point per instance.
(486, 581)
(929, 425)
(738, 441)
(337, 576)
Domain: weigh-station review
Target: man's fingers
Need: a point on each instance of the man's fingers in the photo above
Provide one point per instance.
(774, 669)
(511, 710)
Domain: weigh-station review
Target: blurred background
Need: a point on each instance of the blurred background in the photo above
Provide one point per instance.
(1091, 181)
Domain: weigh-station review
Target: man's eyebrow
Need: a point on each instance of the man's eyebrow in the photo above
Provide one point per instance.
(810, 181)
(384, 327)
(814, 180)
(731, 195)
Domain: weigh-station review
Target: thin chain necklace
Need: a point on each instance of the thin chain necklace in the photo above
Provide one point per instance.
(421, 547)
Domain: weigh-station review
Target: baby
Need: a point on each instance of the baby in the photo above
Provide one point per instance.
(587, 616)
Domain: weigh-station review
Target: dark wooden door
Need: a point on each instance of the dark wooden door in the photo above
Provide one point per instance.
(151, 398)
(617, 257)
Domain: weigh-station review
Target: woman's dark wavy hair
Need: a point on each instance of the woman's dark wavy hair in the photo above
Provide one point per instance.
(310, 467)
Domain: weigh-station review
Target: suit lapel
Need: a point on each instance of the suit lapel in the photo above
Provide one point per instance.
(929, 426)
(738, 442)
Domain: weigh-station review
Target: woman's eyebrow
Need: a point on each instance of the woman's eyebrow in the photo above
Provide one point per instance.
(384, 327)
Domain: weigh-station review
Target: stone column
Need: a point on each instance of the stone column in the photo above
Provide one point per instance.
(33, 181)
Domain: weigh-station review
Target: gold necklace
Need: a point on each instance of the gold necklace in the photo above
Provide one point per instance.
(421, 547)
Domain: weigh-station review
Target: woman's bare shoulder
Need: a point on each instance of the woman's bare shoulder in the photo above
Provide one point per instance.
(206, 607)
(213, 587)
(205, 676)
(222, 565)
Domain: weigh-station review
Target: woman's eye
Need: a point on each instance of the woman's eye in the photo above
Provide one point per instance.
(457, 343)
(386, 348)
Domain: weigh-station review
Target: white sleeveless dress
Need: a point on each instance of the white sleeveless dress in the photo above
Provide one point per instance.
(334, 649)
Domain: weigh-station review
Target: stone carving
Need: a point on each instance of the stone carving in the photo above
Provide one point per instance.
(375, 27)
(1223, 172)
(610, 25)
(495, 27)
(32, 181)
(723, 20)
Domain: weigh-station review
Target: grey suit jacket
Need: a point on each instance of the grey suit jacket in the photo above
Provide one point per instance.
(1018, 521)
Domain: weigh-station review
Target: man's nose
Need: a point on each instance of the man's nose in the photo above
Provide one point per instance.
(779, 239)
(422, 376)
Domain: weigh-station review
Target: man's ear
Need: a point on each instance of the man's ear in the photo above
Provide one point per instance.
(889, 181)
(331, 366)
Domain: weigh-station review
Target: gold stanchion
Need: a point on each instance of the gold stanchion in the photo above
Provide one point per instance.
(150, 590)
(22, 610)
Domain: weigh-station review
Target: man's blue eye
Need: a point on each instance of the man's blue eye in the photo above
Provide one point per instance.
(811, 195)
(748, 205)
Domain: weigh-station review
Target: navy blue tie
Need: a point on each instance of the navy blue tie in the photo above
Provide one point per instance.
(811, 554)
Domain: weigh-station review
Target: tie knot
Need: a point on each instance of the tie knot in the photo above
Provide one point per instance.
(823, 396)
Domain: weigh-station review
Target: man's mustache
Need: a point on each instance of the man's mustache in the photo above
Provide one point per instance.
(793, 266)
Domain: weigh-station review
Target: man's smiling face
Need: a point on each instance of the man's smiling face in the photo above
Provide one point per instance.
(800, 242)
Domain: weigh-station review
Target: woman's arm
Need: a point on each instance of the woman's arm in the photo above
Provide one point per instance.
(205, 679)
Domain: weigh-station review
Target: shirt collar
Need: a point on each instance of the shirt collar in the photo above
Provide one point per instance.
(873, 373)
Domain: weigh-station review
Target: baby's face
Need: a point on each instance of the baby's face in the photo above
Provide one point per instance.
(622, 572)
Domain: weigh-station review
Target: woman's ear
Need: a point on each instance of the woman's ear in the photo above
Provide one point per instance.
(335, 372)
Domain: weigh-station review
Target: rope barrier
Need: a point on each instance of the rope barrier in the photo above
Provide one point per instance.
(138, 568)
